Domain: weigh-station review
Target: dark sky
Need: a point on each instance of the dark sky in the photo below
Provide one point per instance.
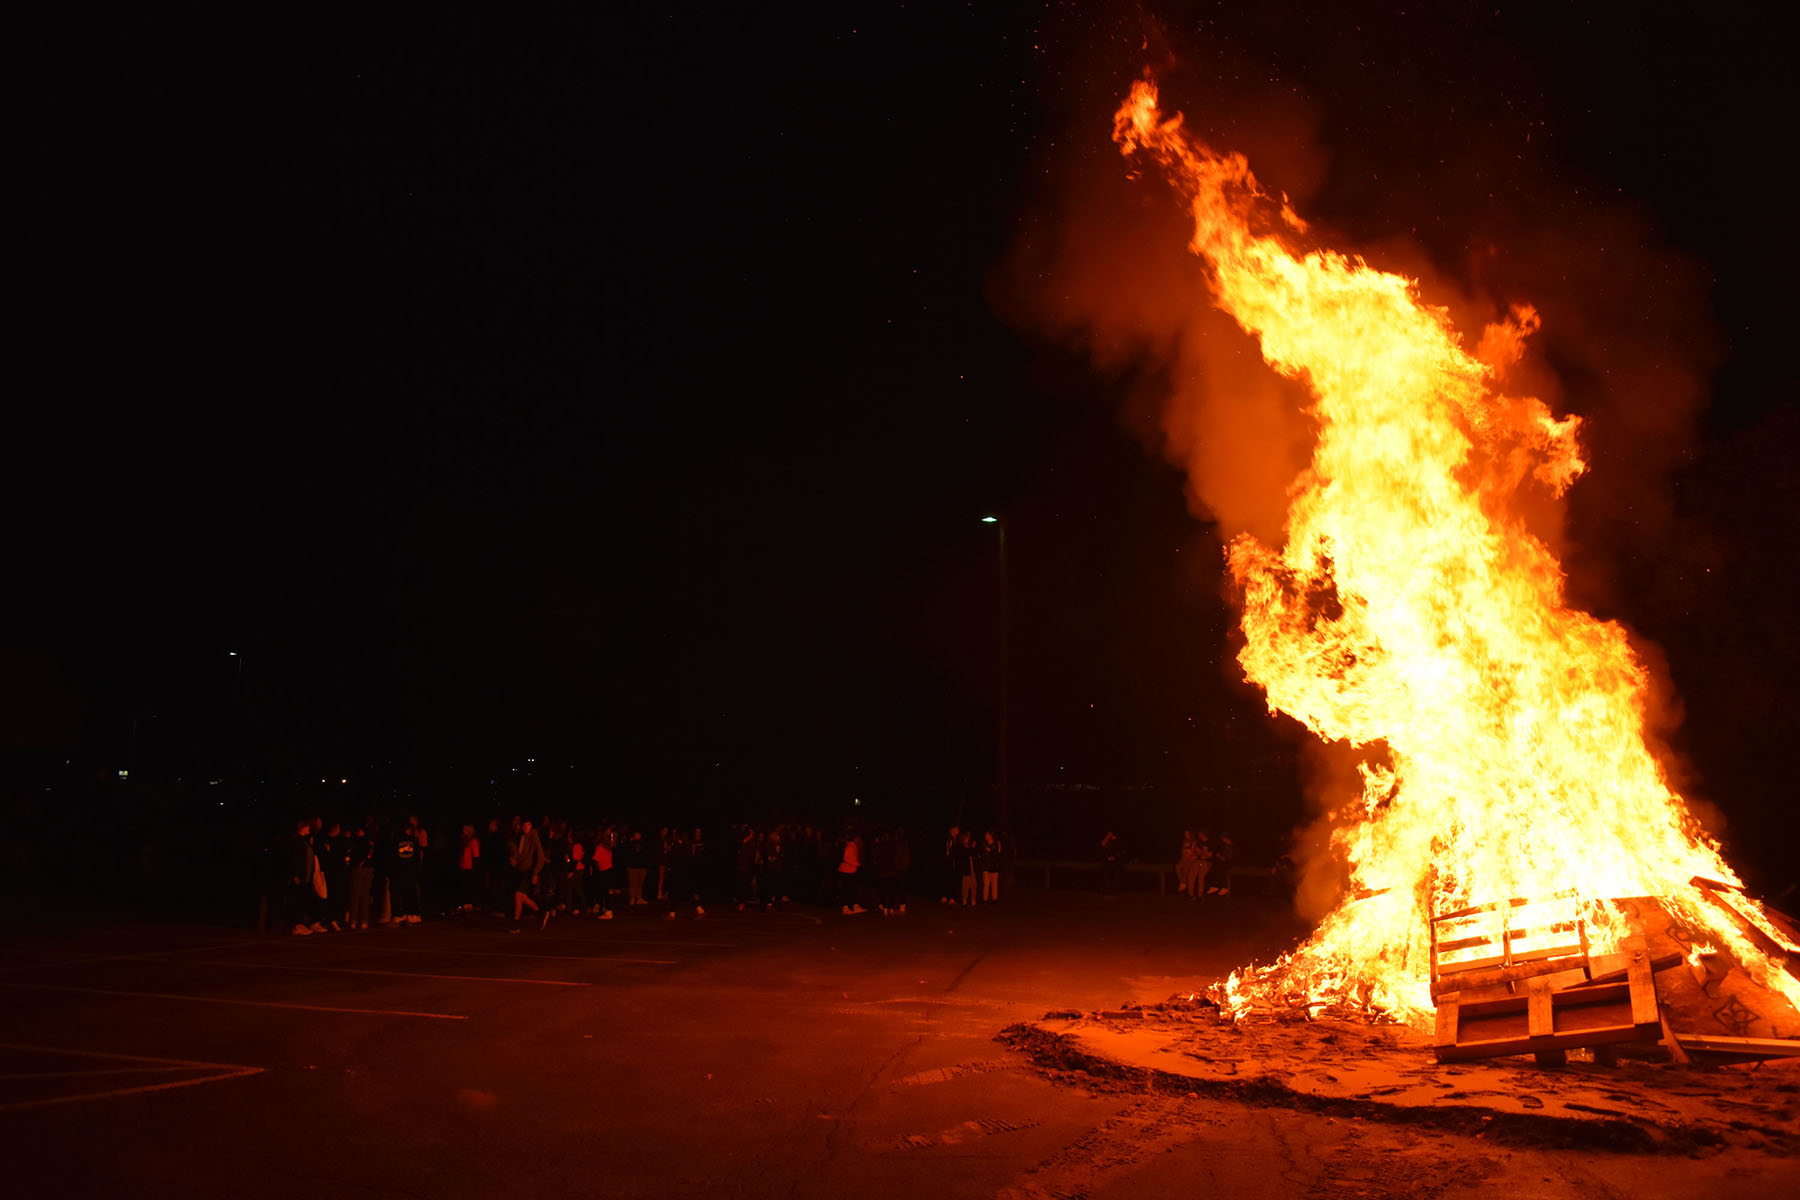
(623, 384)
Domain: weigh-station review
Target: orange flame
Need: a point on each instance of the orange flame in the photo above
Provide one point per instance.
(1412, 614)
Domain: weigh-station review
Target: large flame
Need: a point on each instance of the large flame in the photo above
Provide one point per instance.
(1411, 614)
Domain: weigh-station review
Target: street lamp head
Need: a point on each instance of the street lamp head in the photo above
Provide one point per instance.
(990, 520)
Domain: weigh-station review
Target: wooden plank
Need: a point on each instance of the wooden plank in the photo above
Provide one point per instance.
(1674, 1044)
(1464, 944)
(1569, 999)
(1605, 972)
(1644, 1010)
(1447, 1014)
(1734, 901)
(1747, 1047)
(1501, 1047)
(1462, 981)
(1540, 1016)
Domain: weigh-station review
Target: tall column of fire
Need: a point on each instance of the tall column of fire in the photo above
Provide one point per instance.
(1411, 613)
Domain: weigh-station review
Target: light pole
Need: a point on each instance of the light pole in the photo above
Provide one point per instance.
(1001, 753)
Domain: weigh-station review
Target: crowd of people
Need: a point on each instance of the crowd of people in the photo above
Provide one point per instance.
(347, 875)
(1204, 866)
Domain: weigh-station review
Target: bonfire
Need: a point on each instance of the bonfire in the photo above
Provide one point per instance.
(1411, 614)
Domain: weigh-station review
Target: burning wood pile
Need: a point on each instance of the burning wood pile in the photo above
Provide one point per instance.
(1520, 978)
(1414, 614)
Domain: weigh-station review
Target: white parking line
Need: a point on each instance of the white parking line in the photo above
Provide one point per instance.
(222, 1071)
(211, 962)
(327, 1008)
(94, 958)
(594, 958)
(97, 1071)
(630, 941)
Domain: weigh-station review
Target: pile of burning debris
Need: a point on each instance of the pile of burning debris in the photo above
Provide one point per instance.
(1521, 976)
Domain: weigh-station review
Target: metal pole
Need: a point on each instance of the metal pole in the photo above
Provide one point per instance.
(1005, 729)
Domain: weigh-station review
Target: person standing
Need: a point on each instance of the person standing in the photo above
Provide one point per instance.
(770, 883)
(968, 868)
(496, 866)
(637, 867)
(362, 877)
(528, 864)
(303, 869)
(333, 850)
(992, 858)
(744, 867)
(403, 877)
(1112, 864)
(848, 869)
(600, 865)
(468, 870)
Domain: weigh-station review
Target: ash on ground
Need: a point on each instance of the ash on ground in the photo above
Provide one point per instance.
(1387, 1072)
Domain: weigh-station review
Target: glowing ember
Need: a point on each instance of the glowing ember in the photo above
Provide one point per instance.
(1411, 614)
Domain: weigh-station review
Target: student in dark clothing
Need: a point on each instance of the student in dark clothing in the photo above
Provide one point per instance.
(528, 865)
(303, 898)
(991, 860)
(680, 879)
(636, 860)
(968, 871)
(948, 875)
(333, 850)
(575, 875)
(772, 872)
(468, 871)
(408, 865)
(361, 859)
(744, 868)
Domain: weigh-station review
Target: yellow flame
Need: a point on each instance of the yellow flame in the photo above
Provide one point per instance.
(1412, 614)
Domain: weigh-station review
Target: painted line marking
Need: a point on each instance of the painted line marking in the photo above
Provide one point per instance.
(99, 1071)
(131, 1091)
(367, 1012)
(93, 958)
(654, 962)
(222, 1071)
(148, 1058)
(627, 941)
(211, 962)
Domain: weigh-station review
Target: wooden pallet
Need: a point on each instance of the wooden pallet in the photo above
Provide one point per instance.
(1547, 1021)
(1489, 946)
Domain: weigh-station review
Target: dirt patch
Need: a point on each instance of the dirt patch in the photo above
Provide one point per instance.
(1375, 1074)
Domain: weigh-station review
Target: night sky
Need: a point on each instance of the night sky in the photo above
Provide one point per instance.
(622, 386)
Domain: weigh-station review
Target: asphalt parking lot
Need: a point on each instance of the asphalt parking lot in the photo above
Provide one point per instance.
(788, 1054)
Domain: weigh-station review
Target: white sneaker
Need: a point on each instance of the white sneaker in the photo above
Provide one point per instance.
(698, 911)
(607, 915)
(302, 931)
(669, 916)
(857, 908)
(413, 918)
(903, 910)
(846, 911)
(317, 928)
